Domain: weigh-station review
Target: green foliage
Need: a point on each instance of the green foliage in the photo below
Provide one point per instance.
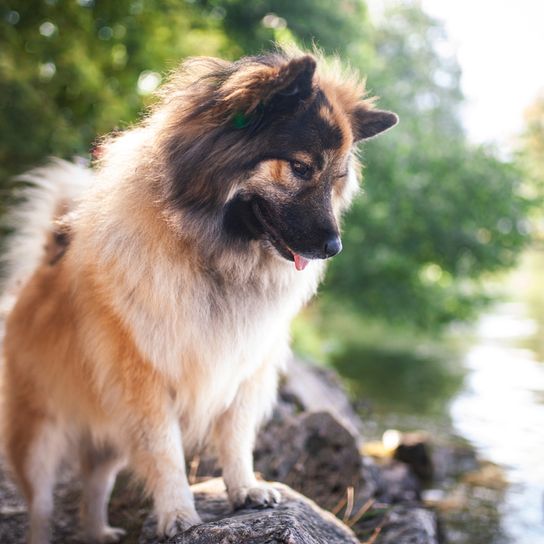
(69, 70)
(531, 152)
(254, 25)
(436, 215)
(419, 240)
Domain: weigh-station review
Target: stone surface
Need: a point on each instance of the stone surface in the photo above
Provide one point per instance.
(296, 520)
(409, 525)
(413, 450)
(313, 453)
(317, 389)
(451, 461)
(397, 483)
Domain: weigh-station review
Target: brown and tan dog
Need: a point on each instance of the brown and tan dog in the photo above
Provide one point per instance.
(156, 318)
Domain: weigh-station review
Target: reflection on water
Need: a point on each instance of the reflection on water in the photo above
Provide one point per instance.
(501, 413)
(401, 382)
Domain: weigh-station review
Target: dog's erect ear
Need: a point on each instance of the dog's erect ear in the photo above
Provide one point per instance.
(292, 84)
(368, 122)
(276, 88)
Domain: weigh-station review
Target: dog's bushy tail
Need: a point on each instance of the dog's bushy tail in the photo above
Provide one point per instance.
(49, 192)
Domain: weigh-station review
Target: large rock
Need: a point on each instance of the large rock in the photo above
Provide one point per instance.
(314, 454)
(318, 389)
(296, 520)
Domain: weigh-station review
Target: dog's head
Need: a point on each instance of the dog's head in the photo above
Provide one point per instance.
(269, 142)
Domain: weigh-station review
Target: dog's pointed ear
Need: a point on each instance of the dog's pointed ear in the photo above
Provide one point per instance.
(293, 83)
(270, 88)
(367, 122)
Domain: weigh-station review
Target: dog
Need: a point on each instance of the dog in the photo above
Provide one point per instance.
(154, 292)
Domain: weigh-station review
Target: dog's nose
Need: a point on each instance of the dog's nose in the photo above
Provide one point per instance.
(332, 246)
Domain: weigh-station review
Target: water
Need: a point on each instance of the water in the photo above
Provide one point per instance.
(501, 411)
(486, 387)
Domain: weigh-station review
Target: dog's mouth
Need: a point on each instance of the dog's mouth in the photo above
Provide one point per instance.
(275, 237)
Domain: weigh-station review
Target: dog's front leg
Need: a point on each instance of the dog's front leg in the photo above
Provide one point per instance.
(234, 436)
(157, 457)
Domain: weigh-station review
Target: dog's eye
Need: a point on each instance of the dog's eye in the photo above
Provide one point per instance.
(301, 170)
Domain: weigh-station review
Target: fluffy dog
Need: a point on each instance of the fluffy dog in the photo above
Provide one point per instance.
(152, 317)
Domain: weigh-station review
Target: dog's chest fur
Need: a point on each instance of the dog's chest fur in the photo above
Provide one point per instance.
(205, 331)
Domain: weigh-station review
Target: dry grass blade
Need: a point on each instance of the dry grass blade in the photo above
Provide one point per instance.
(377, 531)
(361, 512)
(349, 505)
(193, 469)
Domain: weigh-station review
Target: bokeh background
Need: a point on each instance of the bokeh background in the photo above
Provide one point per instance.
(445, 236)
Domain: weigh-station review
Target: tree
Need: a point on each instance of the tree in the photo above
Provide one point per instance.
(254, 26)
(532, 144)
(72, 71)
(437, 213)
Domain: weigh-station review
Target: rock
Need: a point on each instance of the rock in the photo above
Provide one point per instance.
(409, 525)
(317, 389)
(296, 520)
(314, 454)
(451, 461)
(413, 450)
(397, 483)
(409, 448)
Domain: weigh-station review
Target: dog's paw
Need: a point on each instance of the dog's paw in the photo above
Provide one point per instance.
(105, 535)
(178, 521)
(258, 496)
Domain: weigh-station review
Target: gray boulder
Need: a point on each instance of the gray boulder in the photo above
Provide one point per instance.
(318, 389)
(313, 453)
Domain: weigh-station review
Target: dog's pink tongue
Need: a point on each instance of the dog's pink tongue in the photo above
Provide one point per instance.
(300, 262)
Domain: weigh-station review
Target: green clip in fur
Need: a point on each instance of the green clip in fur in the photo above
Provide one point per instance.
(240, 120)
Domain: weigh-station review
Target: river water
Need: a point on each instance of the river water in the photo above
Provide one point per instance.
(486, 388)
(501, 412)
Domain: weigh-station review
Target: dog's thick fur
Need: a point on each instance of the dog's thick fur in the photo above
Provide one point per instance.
(155, 318)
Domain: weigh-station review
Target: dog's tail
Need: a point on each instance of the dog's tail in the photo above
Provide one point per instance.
(49, 193)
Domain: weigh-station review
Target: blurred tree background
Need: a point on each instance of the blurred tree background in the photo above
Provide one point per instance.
(437, 215)
(532, 147)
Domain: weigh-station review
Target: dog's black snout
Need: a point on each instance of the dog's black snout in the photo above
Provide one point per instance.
(332, 246)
